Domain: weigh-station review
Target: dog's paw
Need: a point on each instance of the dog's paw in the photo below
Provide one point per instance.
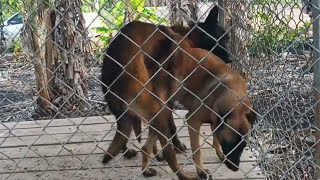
(106, 158)
(204, 174)
(188, 176)
(149, 172)
(130, 153)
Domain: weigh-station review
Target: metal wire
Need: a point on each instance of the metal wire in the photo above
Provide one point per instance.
(271, 41)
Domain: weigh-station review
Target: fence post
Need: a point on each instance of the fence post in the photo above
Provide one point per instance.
(221, 13)
(316, 70)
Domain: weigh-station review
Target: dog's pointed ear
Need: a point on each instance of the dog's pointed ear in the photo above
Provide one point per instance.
(212, 18)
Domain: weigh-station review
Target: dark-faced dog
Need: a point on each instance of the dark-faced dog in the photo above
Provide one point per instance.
(213, 93)
(140, 48)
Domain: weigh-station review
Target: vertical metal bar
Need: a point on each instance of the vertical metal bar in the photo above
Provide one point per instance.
(221, 12)
(316, 70)
(2, 42)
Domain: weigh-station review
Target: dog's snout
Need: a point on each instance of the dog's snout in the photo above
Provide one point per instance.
(232, 166)
(233, 154)
(233, 161)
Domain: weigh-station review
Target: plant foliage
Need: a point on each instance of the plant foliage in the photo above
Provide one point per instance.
(115, 18)
(273, 36)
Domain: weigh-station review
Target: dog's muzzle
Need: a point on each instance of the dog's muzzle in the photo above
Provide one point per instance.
(232, 166)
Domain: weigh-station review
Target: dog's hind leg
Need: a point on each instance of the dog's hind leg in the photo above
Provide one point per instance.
(178, 145)
(119, 142)
(137, 127)
(159, 155)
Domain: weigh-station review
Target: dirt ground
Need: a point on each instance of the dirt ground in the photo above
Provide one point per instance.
(18, 90)
(282, 93)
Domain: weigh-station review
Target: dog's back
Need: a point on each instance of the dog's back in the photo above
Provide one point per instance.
(136, 43)
(152, 42)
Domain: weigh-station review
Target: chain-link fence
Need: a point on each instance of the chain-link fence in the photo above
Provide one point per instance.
(79, 76)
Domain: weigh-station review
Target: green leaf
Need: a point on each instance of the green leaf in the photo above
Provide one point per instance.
(137, 5)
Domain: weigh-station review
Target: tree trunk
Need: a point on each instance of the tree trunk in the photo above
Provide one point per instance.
(47, 50)
(129, 15)
(156, 3)
(60, 52)
(72, 53)
(31, 36)
(237, 18)
(183, 12)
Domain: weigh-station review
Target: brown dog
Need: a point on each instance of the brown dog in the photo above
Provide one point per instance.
(140, 90)
(154, 42)
(210, 90)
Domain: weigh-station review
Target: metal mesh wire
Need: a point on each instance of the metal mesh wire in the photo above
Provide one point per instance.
(53, 75)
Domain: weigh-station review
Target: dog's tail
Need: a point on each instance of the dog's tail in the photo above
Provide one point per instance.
(136, 124)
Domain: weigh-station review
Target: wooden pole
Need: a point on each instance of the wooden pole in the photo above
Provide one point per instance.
(316, 70)
(221, 13)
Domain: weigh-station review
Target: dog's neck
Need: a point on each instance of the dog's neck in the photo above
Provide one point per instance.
(190, 58)
(193, 36)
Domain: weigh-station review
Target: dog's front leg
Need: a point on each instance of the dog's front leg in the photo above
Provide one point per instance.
(146, 153)
(216, 143)
(194, 130)
(162, 125)
(218, 148)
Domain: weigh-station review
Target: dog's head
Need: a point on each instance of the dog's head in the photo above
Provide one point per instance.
(215, 36)
(232, 136)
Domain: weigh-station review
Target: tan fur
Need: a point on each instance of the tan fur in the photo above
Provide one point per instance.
(149, 92)
(231, 95)
(130, 75)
